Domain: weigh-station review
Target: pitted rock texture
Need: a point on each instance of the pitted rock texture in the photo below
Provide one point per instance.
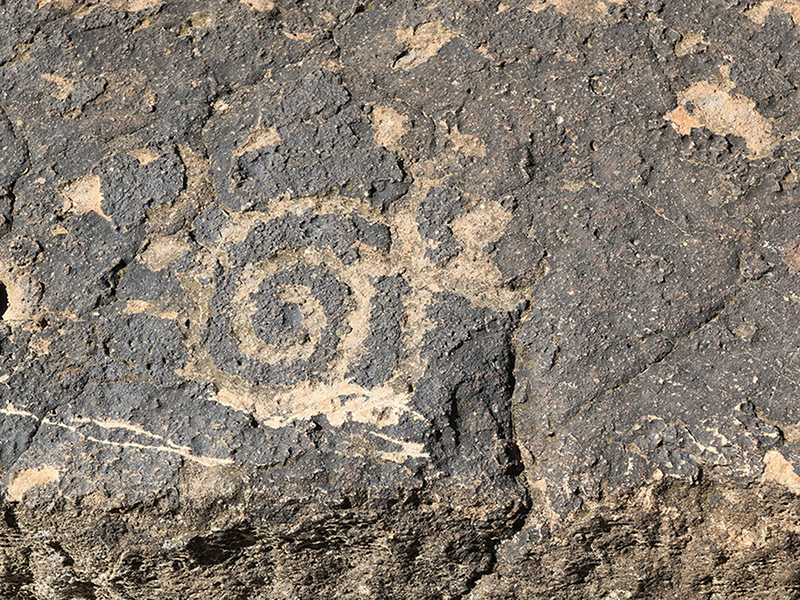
(461, 299)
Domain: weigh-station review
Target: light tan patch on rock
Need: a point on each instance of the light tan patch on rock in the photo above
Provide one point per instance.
(760, 11)
(202, 20)
(299, 36)
(84, 195)
(26, 479)
(582, 9)
(480, 226)
(133, 5)
(149, 95)
(340, 401)
(197, 21)
(691, 43)
(260, 5)
(471, 145)
(211, 483)
(260, 138)
(792, 259)
(421, 43)
(62, 4)
(162, 251)
(779, 470)
(21, 53)
(389, 126)
(157, 309)
(405, 449)
(144, 155)
(144, 24)
(99, 501)
(64, 85)
(472, 273)
(12, 410)
(236, 399)
(84, 11)
(23, 294)
(682, 120)
(40, 346)
(710, 104)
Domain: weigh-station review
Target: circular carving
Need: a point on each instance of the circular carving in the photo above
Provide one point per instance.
(323, 304)
(287, 321)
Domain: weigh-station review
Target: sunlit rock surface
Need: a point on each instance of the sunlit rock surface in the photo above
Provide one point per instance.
(491, 300)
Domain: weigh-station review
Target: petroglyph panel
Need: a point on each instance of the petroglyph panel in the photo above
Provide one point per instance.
(429, 300)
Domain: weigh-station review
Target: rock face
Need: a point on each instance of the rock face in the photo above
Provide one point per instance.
(390, 300)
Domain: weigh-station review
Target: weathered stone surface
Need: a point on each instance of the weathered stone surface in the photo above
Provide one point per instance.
(390, 300)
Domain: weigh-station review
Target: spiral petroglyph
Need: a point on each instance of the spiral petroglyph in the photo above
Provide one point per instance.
(319, 305)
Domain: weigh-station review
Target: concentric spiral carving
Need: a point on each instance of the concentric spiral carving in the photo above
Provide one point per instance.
(320, 305)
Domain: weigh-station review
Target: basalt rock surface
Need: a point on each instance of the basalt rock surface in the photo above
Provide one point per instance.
(391, 300)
